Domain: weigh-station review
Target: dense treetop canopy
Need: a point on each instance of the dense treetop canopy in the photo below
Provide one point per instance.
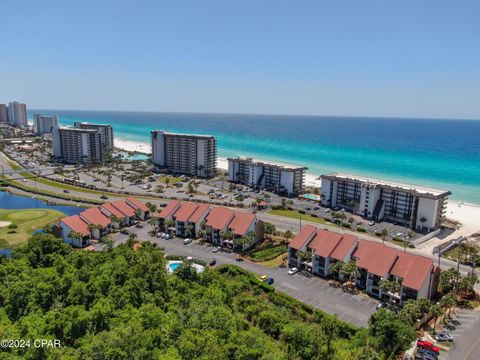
(122, 304)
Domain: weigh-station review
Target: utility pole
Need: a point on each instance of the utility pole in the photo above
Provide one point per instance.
(300, 218)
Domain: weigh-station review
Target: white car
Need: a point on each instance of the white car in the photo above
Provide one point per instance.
(327, 211)
(371, 223)
(187, 241)
(292, 271)
(159, 235)
(216, 249)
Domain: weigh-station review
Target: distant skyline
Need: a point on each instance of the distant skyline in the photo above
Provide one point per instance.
(315, 57)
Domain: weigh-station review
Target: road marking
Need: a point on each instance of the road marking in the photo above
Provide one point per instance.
(471, 349)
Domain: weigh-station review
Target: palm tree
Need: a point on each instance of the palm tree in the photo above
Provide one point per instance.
(190, 230)
(75, 236)
(390, 287)
(114, 219)
(384, 233)
(138, 213)
(336, 268)
(350, 269)
(153, 222)
(287, 235)
(436, 311)
(93, 227)
(447, 302)
(423, 220)
(168, 224)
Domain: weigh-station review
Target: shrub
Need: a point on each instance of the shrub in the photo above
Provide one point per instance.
(346, 225)
(378, 233)
(360, 229)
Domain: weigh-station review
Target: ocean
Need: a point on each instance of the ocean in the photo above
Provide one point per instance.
(430, 152)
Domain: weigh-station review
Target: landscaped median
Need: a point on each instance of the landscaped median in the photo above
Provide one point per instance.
(296, 215)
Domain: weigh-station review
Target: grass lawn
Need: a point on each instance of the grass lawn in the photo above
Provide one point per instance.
(296, 215)
(55, 184)
(268, 253)
(276, 262)
(173, 180)
(27, 221)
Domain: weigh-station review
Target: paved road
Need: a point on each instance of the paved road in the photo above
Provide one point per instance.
(315, 291)
(467, 337)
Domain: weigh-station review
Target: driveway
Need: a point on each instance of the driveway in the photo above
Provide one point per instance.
(315, 291)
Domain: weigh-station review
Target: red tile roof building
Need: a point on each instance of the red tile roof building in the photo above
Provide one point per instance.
(123, 207)
(95, 216)
(417, 274)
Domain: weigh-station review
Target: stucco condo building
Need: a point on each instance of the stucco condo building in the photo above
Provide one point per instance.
(416, 207)
(106, 133)
(280, 178)
(17, 114)
(43, 124)
(72, 145)
(194, 155)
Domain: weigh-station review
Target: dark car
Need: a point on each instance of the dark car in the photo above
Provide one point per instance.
(66, 191)
(139, 225)
(269, 281)
(213, 262)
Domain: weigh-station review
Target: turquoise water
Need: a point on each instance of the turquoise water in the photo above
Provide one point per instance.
(429, 152)
(174, 266)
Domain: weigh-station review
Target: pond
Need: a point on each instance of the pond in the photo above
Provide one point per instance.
(14, 202)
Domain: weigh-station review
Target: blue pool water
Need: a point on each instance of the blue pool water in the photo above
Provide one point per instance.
(174, 266)
(430, 152)
(14, 202)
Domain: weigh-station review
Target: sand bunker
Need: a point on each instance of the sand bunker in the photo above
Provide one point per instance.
(4, 223)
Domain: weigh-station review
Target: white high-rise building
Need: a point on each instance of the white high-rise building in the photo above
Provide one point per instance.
(106, 133)
(194, 155)
(3, 113)
(43, 124)
(72, 145)
(280, 178)
(417, 207)
(17, 114)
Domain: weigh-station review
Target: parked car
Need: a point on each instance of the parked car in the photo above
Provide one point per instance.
(269, 281)
(139, 226)
(380, 306)
(65, 191)
(426, 354)
(327, 211)
(187, 241)
(216, 249)
(124, 232)
(428, 345)
(159, 234)
(213, 262)
(443, 336)
(292, 271)
(316, 208)
(168, 236)
(371, 223)
(263, 277)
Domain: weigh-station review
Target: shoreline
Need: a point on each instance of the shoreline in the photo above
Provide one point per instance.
(222, 163)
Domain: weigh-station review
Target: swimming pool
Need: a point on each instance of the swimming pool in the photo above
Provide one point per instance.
(173, 265)
(311, 197)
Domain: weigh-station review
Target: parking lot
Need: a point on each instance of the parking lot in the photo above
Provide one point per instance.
(466, 345)
(315, 291)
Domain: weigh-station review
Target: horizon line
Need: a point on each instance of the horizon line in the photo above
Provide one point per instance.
(269, 114)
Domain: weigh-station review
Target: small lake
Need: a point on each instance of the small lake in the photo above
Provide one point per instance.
(14, 202)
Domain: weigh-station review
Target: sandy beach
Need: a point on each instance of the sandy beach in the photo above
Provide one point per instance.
(222, 163)
(467, 214)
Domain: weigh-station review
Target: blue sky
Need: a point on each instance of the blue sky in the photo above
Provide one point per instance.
(381, 58)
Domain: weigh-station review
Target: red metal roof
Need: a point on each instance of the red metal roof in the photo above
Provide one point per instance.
(383, 261)
(123, 207)
(95, 216)
(325, 242)
(169, 209)
(366, 253)
(419, 271)
(241, 222)
(137, 204)
(403, 265)
(185, 210)
(346, 244)
(113, 210)
(201, 209)
(76, 224)
(305, 234)
(220, 217)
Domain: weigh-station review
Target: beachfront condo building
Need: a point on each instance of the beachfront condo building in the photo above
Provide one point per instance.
(106, 133)
(280, 178)
(194, 155)
(43, 124)
(17, 114)
(3, 113)
(416, 207)
(72, 145)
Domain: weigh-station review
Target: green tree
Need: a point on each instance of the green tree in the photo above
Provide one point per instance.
(269, 229)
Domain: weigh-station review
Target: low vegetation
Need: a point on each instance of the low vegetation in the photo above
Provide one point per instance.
(23, 222)
(296, 215)
(268, 253)
(121, 304)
